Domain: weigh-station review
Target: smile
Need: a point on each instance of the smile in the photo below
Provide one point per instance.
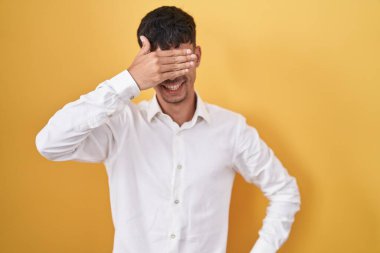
(173, 86)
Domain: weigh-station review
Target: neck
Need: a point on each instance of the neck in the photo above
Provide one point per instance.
(179, 112)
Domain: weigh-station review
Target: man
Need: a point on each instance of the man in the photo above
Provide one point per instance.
(170, 161)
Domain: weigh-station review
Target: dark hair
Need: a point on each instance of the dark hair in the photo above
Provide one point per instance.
(166, 27)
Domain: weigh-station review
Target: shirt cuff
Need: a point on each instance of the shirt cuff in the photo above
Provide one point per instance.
(262, 246)
(124, 85)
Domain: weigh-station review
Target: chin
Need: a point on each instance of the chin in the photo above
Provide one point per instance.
(174, 99)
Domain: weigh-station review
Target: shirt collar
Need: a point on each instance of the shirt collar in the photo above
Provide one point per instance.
(200, 111)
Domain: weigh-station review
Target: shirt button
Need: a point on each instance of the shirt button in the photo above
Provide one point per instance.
(176, 201)
(179, 166)
(172, 236)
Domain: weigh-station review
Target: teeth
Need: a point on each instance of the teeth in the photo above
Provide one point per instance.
(173, 87)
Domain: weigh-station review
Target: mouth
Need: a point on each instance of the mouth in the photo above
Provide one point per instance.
(173, 87)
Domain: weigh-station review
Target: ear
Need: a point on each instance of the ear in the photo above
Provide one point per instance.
(198, 53)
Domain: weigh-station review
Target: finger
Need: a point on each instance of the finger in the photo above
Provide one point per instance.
(177, 66)
(174, 52)
(174, 74)
(177, 59)
(145, 45)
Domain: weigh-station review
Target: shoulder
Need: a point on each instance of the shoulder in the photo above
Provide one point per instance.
(130, 113)
(137, 108)
(222, 116)
(230, 122)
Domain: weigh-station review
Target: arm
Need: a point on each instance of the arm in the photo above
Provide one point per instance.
(82, 129)
(257, 164)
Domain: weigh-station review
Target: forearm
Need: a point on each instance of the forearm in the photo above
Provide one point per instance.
(69, 127)
(284, 203)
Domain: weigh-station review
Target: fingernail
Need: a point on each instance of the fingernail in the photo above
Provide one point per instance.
(188, 51)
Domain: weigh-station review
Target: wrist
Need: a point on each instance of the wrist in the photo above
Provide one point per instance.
(134, 77)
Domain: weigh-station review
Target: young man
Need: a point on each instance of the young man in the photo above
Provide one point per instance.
(170, 161)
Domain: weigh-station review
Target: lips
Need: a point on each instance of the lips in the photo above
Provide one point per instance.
(173, 85)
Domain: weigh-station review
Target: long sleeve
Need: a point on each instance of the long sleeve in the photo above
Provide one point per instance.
(81, 129)
(258, 164)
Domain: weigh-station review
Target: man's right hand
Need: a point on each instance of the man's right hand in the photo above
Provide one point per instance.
(151, 68)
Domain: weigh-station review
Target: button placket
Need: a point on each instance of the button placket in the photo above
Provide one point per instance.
(176, 193)
(174, 229)
(178, 167)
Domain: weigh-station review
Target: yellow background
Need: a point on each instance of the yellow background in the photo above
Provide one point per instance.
(306, 74)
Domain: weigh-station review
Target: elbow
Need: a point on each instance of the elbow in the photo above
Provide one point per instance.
(41, 145)
(46, 148)
(288, 195)
(53, 149)
(297, 195)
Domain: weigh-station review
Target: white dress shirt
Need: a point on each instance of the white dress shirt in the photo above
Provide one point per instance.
(170, 185)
